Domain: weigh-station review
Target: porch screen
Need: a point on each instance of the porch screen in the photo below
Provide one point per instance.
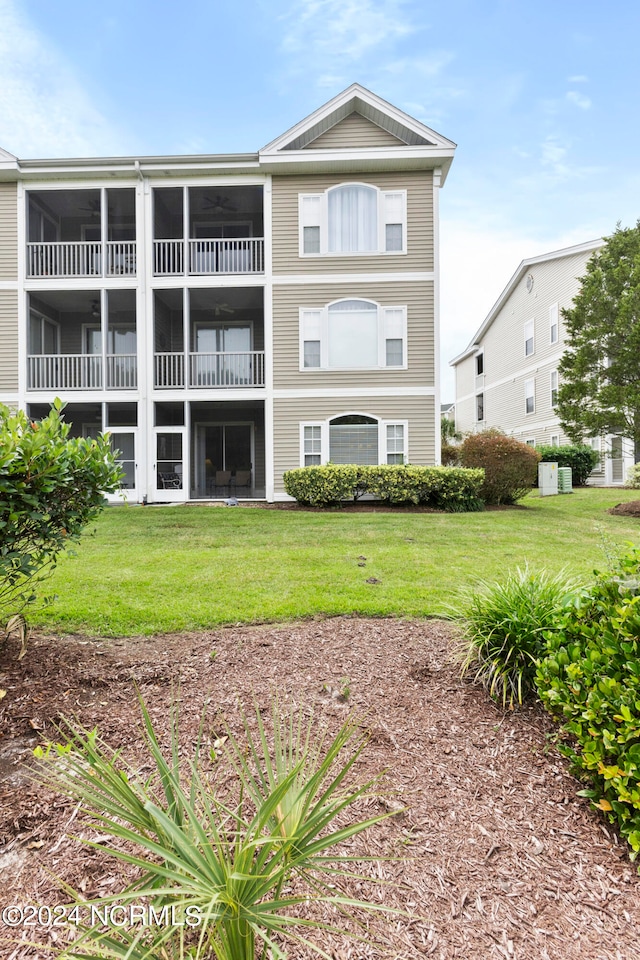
(353, 440)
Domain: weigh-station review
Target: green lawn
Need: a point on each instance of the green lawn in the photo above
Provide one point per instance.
(154, 569)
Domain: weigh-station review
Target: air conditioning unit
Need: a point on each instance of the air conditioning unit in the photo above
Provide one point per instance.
(565, 481)
(548, 479)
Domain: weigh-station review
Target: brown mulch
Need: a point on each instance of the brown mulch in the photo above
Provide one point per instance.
(629, 509)
(500, 857)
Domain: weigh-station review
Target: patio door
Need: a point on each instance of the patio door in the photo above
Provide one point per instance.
(171, 483)
(124, 441)
(223, 449)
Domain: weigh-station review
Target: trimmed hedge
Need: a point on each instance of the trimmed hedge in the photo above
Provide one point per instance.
(590, 678)
(581, 458)
(510, 467)
(633, 477)
(446, 488)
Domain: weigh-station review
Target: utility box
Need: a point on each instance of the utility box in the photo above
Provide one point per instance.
(565, 480)
(548, 479)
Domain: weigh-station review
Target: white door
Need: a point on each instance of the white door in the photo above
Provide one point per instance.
(171, 464)
(124, 442)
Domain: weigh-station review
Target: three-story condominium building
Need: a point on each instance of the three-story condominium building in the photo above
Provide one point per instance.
(227, 318)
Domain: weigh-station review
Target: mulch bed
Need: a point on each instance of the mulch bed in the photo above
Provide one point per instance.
(502, 859)
(629, 509)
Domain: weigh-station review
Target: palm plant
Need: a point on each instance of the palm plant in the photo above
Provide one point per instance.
(224, 857)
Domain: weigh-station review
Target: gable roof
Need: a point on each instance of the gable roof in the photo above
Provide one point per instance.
(589, 247)
(407, 139)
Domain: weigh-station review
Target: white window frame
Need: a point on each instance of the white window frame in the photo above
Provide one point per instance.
(554, 323)
(42, 319)
(530, 441)
(480, 396)
(554, 440)
(316, 319)
(553, 377)
(313, 212)
(383, 451)
(529, 394)
(479, 359)
(529, 335)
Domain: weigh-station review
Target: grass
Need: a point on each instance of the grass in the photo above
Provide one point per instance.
(186, 568)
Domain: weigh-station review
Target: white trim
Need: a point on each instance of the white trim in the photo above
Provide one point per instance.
(554, 321)
(530, 394)
(325, 426)
(374, 393)
(437, 434)
(379, 277)
(267, 285)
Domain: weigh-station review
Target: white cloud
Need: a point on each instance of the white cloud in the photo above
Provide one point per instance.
(44, 110)
(578, 78)
(579, 99)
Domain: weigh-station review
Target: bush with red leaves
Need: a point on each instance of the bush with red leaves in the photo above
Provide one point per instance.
(510, 467)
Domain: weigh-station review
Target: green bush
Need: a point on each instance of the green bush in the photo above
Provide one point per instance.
(590, 678)
(581, 458)
(51, 486)
(504, 627)
(444, 488)
(633, 477)
(510, 467)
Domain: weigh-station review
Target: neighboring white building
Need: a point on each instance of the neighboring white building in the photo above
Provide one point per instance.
(227, 318)
(508, 375)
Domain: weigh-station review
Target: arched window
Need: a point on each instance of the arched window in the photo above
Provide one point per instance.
(353, 439)
(352, 218)
(353, 334)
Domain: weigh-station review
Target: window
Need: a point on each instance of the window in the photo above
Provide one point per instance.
(555, 439)
(352, 218)
(479, 364)
(44, 335)
(353, 334)
(554, 388)
(353, 438)
(530, 396)
(531, 442)
(528, 338)
(480, 407)
(395, 443)
(312, 443)
(553, 323)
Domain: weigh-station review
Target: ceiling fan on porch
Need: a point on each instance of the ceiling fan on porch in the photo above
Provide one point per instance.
(219, 204)
(92, 207)
(221, 308)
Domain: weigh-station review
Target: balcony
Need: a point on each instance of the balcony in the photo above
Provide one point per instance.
(208, 257)
(82, 371)
(82, 259)
(223, 370)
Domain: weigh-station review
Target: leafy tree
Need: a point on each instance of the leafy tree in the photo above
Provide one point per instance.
(51, 486)
(600, 370)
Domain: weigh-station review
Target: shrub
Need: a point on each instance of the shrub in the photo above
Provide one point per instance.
(51, 486)
(504, 627)
(590, 678)
(445, 488)
(450, 454)
(237, 841)
(510, 466)
(581, 458)
(633, 477)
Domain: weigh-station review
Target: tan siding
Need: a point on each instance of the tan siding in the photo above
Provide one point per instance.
(419, 256)
(287, 301)
(289, 414)
(8, 231)
(8, 340)
(353, 132)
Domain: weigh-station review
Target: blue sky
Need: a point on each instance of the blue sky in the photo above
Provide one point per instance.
(542, 100)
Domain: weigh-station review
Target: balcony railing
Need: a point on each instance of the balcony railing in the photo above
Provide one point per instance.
(81, 259)
(211, 370)
(81, 371)
(207, 257)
